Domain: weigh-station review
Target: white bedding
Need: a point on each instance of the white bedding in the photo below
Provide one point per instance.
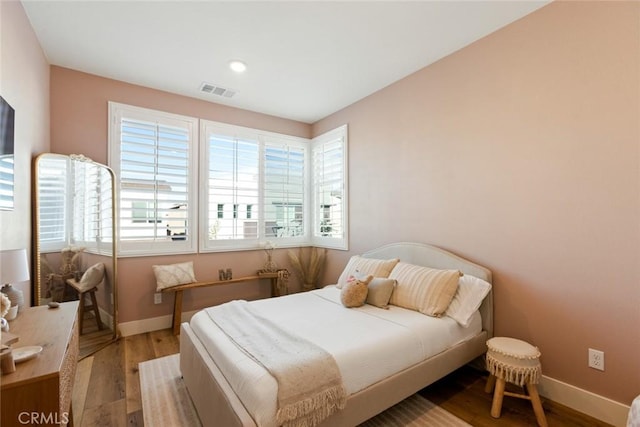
(368, 343)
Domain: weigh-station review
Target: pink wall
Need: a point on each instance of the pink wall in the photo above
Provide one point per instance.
(24, 83)
(79, 125)
(521, 152)
(79, 111)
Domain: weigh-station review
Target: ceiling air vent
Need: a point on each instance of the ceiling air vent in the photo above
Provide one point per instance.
(217, 90)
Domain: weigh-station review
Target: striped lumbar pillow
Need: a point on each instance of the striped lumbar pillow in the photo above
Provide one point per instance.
(423, 289)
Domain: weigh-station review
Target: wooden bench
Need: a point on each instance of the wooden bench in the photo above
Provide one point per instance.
(177, 305)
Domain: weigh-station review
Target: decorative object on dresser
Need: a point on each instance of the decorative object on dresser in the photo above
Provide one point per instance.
(14, 268)
(42, 384)
(7, 364)
(5, 306)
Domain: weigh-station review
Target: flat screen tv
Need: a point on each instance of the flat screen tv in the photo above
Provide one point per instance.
(7, 124)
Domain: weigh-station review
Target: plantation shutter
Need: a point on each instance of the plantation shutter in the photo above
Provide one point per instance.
(6, 181)
(92, 221)
(153, 155)
(329, 159)
(53, 199)
(284, 190)
(85, 217)
(154, 181)
(233, 172)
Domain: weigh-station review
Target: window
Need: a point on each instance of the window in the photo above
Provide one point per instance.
(252, 185)
(154, 157)
(285, 190)
(92, 211)
(74, 204)
(329, 152)
(54, 203)
(255, 187)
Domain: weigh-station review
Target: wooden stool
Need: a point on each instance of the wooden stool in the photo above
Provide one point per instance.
(517, 362)
(94, 303)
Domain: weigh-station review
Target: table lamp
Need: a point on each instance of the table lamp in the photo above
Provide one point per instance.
(14, 268)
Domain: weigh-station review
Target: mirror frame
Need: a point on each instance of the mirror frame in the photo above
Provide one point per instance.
(37, 285)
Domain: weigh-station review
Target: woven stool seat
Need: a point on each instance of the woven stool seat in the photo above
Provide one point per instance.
(514, 360)
(517, 362)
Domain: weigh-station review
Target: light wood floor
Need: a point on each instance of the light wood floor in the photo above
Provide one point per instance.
(107, 390)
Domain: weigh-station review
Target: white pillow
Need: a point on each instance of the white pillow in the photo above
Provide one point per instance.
(173, 275)
(92, 277)
(470, 294)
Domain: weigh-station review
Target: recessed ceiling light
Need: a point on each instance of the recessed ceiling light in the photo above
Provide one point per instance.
(238, 66)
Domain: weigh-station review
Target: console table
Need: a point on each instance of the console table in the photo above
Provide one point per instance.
(42, 386)
(177, 305)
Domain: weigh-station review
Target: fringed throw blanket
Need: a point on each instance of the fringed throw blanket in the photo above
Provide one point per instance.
(309, 382)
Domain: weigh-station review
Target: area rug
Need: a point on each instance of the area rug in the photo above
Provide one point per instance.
(166, 402)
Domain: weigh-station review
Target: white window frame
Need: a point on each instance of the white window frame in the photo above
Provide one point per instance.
(333, 242)
(264, 139)
(198, 238)
(150, 247)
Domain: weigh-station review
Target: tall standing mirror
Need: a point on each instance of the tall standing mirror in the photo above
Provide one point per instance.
(75, 243)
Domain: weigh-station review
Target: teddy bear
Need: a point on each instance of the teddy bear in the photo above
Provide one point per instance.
(354, 292)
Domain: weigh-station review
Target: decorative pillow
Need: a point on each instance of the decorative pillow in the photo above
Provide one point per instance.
(173, 275)
(470, 294)
(364, 266)
(424, 289)
(92, 277)
(354, 292)
(380, 290)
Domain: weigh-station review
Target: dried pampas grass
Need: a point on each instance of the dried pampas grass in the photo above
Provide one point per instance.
(308, 267)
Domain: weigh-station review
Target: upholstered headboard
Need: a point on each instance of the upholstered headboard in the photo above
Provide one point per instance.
(431, 256)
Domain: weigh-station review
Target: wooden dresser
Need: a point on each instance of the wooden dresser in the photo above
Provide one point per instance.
(42, 387)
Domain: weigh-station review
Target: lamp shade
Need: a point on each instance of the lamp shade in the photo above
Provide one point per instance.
(14, 266)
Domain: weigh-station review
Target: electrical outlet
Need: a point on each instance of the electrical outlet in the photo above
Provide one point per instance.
(596, 359)
(157, 298)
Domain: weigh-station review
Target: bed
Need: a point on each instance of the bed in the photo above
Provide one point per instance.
(223, 395)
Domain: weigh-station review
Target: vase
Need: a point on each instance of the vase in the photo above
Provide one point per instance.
(16, 296)
(270, 266)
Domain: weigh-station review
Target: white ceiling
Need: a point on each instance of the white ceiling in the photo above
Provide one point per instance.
(306, 59)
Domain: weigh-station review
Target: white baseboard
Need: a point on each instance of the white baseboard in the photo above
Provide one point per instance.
(107, 318)
(584, 401)
(153, 324)
(594, 405)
